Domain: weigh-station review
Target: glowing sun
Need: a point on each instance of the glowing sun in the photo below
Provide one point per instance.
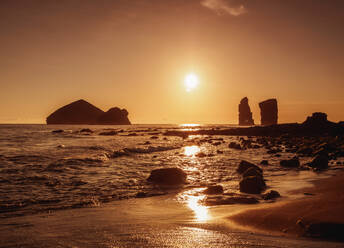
(191, 82)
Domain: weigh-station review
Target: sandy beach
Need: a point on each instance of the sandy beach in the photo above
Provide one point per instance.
(322, 204)
(165, 222)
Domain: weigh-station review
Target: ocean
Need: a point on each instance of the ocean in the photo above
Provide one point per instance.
(46, 168)
(97, 173)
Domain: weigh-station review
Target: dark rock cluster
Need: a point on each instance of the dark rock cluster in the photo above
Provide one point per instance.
(312, 127)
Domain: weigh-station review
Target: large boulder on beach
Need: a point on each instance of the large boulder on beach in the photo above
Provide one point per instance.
(320, 162)
(245, 165)
(83, 112)
(268, 112)
(252, 185)
(245, 114)
(167, 176)
(252, 171)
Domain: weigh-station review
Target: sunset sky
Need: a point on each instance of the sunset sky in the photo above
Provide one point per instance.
(136, 54)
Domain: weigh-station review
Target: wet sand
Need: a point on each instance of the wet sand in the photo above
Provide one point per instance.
(149, 222)
(322, 203)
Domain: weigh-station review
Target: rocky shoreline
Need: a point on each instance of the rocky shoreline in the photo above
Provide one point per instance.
(315, 125)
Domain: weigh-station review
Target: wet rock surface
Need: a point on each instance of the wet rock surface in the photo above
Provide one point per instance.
(167, 176)
(252, 185)
(245, 165)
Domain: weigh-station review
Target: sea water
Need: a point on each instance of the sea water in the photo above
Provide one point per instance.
(46, 168)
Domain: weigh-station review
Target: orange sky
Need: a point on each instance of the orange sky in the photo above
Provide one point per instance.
(135, 55)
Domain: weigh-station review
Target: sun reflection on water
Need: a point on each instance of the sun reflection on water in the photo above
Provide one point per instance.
(190, 127)
(191, 150)
(193, 200)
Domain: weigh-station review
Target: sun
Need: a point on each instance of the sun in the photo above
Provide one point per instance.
(191, 82)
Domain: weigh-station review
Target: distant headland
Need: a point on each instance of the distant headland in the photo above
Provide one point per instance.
(83, 112)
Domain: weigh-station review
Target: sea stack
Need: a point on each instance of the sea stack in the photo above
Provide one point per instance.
(83, 112)
(268, 112)
(245, 114)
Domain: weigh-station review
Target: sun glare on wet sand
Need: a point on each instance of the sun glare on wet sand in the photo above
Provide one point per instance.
(193, 199)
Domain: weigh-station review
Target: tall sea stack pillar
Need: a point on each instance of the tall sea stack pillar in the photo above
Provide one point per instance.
(245, 114)
(268, 112)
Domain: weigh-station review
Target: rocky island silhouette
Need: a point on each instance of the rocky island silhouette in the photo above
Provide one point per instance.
(83, 112)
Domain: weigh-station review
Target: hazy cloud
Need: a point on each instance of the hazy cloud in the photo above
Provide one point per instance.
(224, 7)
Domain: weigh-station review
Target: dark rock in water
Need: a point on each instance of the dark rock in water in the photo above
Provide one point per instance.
(201, 155)
(245, 114)
(245, 165)
(82, 112)
(213, 190)
(264, 162)
(252, 185)
(57, 131)
(269, 112)
(167, 176)
(272, 194)
(115, 116)
(321, 152)
(235, 145)
(274, 151)
(320, 162)
(141, 194)
(252, 172)
(290, 163)
(109, 133)
(306, 151)
(86, 130)
(121, 153)
(132, 134)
